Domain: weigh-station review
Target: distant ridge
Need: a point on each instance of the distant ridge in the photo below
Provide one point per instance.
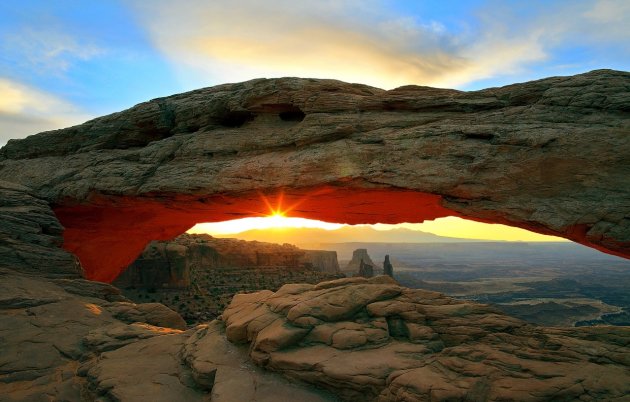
(346, 234)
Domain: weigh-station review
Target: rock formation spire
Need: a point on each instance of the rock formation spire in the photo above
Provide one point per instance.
(388, 268)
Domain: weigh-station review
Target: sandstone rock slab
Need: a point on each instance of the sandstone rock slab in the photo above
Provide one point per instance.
(403, 344)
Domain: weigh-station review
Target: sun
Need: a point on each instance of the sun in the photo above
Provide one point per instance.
(274, 222)
(277, 219)
(277, 213)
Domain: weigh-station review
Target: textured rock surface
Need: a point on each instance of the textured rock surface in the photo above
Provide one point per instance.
(170, 264)
(62, 346)
(30, 235)
(225, 368)
(538, 155)
(197, 275)
(199, 365)
(372, 340)
(46, 333)
(360, 339)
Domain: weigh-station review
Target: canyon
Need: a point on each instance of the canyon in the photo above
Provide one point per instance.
(197, 275)
(170, 264)
(79, 205)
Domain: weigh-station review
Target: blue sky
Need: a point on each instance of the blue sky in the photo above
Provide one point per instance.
(65, 61)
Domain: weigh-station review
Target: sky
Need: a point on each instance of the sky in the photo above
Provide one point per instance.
(64, 62)
(449, 226)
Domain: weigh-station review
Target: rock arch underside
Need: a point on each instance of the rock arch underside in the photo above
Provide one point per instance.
(551, 156)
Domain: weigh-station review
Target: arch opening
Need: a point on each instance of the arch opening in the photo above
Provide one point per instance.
(111, 231)
(534, 277)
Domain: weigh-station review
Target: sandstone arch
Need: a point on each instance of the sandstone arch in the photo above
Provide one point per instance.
(552, 156)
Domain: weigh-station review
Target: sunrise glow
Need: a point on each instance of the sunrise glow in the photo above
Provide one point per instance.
(447, 227)
(277, 220)
(269, 222)
(452, 226)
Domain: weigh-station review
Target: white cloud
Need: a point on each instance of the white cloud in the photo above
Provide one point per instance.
(234, 41)
(607, 21)
(606, 11)
(227, 41)
(45, 50)
(25, 110)
(42, 50)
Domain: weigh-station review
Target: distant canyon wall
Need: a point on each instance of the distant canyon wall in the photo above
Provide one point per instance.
(168, 264)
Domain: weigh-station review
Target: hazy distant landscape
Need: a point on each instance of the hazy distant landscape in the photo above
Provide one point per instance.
(347, 234)
(545, 283)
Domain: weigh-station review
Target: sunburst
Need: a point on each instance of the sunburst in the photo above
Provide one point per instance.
(277, 218)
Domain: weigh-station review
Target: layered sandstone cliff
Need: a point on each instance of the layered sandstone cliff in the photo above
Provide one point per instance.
(31, 235)
(197, 275)
(170, 264)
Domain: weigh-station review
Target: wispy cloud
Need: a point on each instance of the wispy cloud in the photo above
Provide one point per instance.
(45, 50)
(43, 55)
(25, 110)
(225, 40)
(537, 31)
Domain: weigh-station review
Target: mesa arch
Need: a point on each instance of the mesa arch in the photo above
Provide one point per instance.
(552, 156)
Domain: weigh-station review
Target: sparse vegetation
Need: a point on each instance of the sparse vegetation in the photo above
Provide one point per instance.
(212, 290)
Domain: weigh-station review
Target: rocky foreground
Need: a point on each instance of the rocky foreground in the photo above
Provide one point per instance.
(371, 339)
(75, 340)
(350, 339)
